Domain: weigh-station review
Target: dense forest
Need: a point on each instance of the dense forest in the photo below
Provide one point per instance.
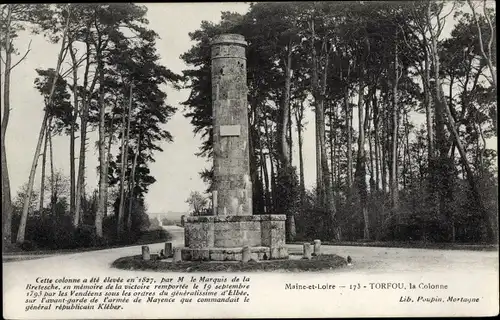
(404, 102)
(402, 114)
(106, 78)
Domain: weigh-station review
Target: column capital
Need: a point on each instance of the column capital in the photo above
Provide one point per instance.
(229, 39)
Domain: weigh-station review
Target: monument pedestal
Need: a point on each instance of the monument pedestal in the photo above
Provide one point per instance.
(222, 238)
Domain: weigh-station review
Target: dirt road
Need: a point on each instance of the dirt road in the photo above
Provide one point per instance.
(395, 264)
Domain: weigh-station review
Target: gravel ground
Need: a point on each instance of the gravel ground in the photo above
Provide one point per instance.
(365, 259)
(368, 263)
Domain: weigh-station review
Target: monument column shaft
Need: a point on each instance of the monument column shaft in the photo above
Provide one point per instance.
(232, 185)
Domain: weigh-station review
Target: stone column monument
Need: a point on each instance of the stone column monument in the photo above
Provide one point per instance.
(232, 225)
(232, 193)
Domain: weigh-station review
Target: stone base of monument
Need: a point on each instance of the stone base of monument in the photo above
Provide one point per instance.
(222, 238)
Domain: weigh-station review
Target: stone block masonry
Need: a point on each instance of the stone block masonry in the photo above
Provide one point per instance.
(229, 105)
(235, 232)
(232, 226)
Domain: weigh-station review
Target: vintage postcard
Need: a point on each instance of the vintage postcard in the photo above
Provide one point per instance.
(247, 160)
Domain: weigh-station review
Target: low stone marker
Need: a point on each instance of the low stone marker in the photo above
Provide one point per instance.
(168, 252)
(307, 251)
(245, 254)
(177, 255)
(145, 253)
(317, 247)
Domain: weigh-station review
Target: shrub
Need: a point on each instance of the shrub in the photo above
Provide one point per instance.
(109, 226)
(27, 245)
(288, 198)
(84, 236)
(153, 235)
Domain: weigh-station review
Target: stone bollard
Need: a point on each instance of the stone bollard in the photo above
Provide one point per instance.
(283, 252)
(177, 255)
(245, 254)
(168, 252)
(307, 251)
(145, 253)
(317, 247)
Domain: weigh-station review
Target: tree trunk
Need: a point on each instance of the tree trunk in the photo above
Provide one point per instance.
(27, 198)
(439, 164)
(31, 180)
(285, 147)
(383, 147)
(338, 148)
(332, 145)
(328, 192)
(318, 109)
(103, 188)
(301, 160)
(264, 186)
(395, 125)
(86, 100)
(299, 115)
(427, 103)
(361, 161)
(442, 105)
(489, 228)
(44, 162)
(131, 197)
(319, 172)
(348, 117)
(80, 182)
(108, 157)
(265, 176)
(257, 187)
(376, 139)
(119, 217)
(372, 160)
(487, 57)
(408, 159)
(348, 111)
(369, 137)
(6, 194)
(121, 208)
(290, 137)
(53, 195)
(270, 148)
(72, 192)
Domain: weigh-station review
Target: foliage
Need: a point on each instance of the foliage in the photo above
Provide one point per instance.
(434, 182)
(383, 49)
(288, 196)
(154, 222)
(109, 49)
(197, 203)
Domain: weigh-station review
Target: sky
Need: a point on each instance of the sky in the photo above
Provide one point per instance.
(176, 168)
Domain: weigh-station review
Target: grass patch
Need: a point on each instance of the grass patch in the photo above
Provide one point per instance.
(11, 258)
(317, 263)
(409, 244)
(153, 236)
